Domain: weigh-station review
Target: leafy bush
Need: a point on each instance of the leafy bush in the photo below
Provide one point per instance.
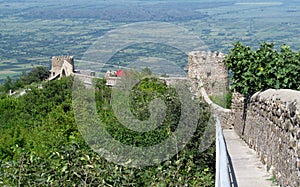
(36, 74)
(256, 70)
(41, 146)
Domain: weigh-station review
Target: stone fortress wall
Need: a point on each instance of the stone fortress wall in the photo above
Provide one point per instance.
(269, 122)
(209, 77)
(63, 65)
(209, 68)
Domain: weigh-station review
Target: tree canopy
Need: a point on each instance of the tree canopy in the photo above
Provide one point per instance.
(264, 68)
(36, 74)
(40, 144)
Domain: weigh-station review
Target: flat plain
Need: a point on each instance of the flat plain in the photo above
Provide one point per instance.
(32, 32)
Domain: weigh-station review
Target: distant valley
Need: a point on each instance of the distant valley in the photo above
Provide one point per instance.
(32, 32)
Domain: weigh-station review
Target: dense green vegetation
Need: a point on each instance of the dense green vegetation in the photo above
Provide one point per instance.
(36, 75)
(41, 145)
(266, 67)
(140, 97)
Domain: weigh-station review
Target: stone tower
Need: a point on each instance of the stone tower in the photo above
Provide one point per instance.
(209, 68)
(62, 66)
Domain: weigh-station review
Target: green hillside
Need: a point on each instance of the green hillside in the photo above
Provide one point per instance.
(41, 145)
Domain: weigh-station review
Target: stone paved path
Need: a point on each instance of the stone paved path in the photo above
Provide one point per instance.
(248, 170)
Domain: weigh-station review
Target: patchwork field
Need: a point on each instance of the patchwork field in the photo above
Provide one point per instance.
(32, 32)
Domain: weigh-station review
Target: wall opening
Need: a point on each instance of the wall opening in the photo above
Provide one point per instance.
(63, 74)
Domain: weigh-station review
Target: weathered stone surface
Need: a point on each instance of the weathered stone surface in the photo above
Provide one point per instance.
(272, 120)
(208, 68)
(62, 66)
(209, 76)
(269, 122)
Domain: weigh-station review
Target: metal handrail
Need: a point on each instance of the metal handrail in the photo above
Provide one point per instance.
(222, 169)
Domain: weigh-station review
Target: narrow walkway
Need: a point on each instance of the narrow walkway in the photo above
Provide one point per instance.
(248, 169)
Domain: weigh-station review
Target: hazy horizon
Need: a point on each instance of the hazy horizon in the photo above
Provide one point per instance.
(31, 31)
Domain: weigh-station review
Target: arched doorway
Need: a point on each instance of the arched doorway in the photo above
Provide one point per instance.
(63, 73)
